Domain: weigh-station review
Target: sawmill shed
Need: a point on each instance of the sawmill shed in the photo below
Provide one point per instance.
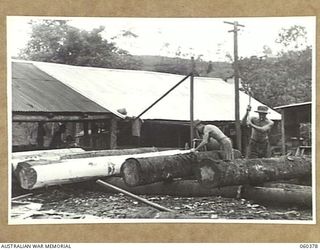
(296, 125)
(126, 94)
(40, 103)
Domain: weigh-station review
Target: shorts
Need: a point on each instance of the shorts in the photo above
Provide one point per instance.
(258, 149)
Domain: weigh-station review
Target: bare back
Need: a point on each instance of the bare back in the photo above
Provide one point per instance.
(212, 131)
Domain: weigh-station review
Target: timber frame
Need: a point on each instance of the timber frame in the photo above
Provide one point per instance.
(57, 117)
(87, 119)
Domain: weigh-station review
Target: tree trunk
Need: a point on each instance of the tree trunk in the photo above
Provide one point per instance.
(142, 171)
(278, 194)
(53, 154)
(110, 152)
(73, 153)
(35, 174)
(274, 194)
(177, 187)
(251, 171)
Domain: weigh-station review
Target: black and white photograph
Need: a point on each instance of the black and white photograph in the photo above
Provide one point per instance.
(157, 120)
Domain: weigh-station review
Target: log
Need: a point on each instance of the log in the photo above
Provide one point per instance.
(278, 194)
(155, 205)
(74, 153)
(53, 154)
(176, 187)
(41, 173)
(217, 173)
(273, 194)
(141, 171)
(129, 151)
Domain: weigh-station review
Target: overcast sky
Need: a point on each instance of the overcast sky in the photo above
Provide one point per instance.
(165, 36)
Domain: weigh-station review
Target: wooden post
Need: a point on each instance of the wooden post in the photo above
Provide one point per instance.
(85, 133)
(283, 137)
(113, 133)
(94, 135)
(179, 137)
(236, 82)
(191, 100)
(236, 87)
(40, 134)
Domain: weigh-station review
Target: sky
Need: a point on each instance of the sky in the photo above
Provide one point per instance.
(208, 37)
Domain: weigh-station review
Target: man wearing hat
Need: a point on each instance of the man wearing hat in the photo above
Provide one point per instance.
(213, 133)
(259, 146)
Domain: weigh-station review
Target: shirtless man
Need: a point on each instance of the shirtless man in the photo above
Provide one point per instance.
(259, 146)
(210, 132)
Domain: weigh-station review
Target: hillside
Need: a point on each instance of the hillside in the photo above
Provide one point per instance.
(182, 66)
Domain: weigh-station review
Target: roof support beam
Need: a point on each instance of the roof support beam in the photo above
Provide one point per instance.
(49, 117)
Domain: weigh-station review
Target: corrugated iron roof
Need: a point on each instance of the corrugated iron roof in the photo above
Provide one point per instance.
(136, 90)
(33, 90)
(293, 105)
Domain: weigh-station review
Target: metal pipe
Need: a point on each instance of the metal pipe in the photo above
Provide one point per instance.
(136, 197)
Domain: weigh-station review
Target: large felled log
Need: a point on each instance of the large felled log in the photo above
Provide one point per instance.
(74, 153)
(176, 187)
(279, 194)
(40, 173)
(52, 154)
(275, 194)
(141, 171)
(251, 171)
(129, 151)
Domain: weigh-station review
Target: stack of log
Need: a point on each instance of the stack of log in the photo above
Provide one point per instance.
(171, 172)
(246, 178)
(46, 169)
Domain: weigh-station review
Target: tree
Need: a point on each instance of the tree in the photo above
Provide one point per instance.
(284, 79)
(182, 67)
(210, 68)
(267, 50)
(56, 41)
(294, 37)
(278, 81)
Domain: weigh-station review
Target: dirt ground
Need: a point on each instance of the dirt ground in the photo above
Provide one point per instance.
(62, 202)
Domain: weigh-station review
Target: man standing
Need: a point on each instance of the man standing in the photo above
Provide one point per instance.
(259, 146)
(211, 132)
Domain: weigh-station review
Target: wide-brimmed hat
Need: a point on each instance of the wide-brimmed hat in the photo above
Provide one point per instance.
(262, 109)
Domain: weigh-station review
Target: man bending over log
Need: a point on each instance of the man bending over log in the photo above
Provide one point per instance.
(259, 146)
(210, 132)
